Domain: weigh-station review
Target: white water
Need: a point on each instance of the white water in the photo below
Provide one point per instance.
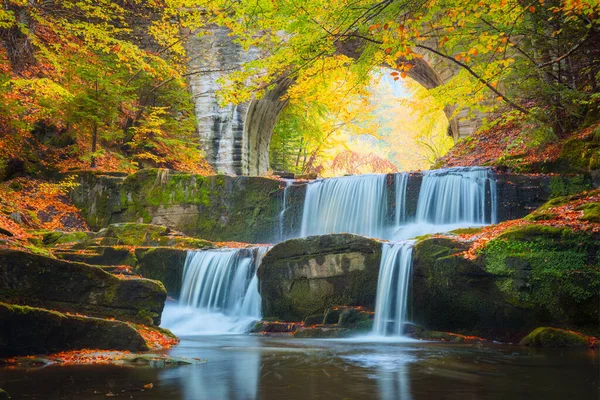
(350, 204)
(457, 195)
(401, 181)
(448, 199)
(392, 289)
(219, 293)
(286, 189)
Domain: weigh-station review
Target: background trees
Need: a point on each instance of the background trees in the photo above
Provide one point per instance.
(96, 83)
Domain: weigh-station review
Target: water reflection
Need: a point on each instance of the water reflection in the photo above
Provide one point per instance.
(394, 385)
(246, 367)
(233, 372)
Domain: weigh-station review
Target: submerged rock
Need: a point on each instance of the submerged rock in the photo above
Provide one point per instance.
(552, 337)
(35, 280)
(28, 330)
(302, 277)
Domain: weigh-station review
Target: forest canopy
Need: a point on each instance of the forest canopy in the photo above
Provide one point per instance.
(103, 83)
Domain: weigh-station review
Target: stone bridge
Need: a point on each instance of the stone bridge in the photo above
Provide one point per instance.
(236, 138)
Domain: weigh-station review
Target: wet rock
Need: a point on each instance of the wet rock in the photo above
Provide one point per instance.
(322, 332)
(552, 337)
(28, 330)
(527, 277)
(79, 288)
(356, 318)
(316, 319)
(162, 264)
(220, 207)
(275, 327)
(302, 277)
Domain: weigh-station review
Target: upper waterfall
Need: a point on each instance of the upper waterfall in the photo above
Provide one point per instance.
(379, 206)
(457, 195)
(350, 204)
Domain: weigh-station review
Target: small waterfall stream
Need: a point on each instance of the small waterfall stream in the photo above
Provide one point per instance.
(219, 292)
(392, 288)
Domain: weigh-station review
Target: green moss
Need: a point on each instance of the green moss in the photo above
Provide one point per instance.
(591, 212)
(466, 231)
(565, 186)
(552, 337)
(547, 267)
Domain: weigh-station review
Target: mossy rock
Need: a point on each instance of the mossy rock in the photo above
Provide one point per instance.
(28, 330)
(526, 277)
(79, 288)
(591, 212)
(162, 264)
(552, 337)
(316, 319)
(302, 277)
(99, 255)
(322, 333)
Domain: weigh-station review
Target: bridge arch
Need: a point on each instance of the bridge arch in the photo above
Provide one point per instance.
(236, 138)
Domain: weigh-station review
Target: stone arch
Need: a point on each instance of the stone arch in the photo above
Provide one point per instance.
(236, 139)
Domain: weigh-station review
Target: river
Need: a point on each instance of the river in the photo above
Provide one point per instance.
(245, 367)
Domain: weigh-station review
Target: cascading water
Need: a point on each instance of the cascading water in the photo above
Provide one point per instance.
(219, 292)
(351, 204)
(457, 195)
(392, 289)
(401, 181)
(284, 202)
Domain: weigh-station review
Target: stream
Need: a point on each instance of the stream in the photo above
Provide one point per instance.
(255, 367)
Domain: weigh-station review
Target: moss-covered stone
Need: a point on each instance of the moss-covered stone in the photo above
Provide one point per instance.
(316, 319)
(219, 207)
(322, 333)
(591, 212)
(526, 277)
(302, 277)
(99, 255)
(162, 264)
(28, 330)
(552, 337)
(136, 234)
(79, 288)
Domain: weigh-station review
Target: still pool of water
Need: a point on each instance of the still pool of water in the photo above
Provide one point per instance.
(251, 367)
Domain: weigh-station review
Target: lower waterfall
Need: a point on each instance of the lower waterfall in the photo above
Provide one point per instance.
(219, 292)
(392, 288)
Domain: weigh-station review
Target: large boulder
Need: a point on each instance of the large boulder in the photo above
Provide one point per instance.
(36, 280)
(28, 330)
(302, 277)
(552, 337)
(162, 264)
(526, 277)
(220, 207)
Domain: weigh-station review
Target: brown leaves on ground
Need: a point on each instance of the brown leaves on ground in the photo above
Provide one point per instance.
(34, 204)
(507, 140)
(564, 215)
(155, 339)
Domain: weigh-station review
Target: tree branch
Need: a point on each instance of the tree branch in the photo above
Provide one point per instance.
(478, 77)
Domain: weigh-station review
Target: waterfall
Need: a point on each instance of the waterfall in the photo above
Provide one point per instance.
(284, 202)
(350, 204)
(219, 292)
(392, 288)
(457, 195)
(401, 182)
